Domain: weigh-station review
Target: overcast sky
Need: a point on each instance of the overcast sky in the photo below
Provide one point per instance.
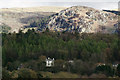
(99, 4)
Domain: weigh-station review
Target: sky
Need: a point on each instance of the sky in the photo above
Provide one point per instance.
(98, 4)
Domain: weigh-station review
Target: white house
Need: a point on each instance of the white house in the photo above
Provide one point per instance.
(49, 62)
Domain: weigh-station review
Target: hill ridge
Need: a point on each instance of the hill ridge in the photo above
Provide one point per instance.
(84, 19)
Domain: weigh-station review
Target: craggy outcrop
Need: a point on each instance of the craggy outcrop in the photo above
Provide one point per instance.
(84, 20)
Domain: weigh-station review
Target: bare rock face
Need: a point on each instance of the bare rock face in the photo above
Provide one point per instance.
(84, 20)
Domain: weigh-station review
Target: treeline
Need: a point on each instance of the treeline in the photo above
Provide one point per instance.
(86, 50)
(4, 28)
(38, 22)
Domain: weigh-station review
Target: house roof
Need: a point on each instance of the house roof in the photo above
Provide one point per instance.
(49, 59)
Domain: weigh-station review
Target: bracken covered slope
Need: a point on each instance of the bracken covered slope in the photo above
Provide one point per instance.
(84, 20)
(16, 18)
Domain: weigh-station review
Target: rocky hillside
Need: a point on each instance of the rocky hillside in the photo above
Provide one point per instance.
(84, 20)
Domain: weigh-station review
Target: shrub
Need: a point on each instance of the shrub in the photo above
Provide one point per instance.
(27, 73)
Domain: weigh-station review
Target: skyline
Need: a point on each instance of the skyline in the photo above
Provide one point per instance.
(37, 3)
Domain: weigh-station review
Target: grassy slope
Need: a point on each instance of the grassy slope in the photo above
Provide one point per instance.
(13, 16)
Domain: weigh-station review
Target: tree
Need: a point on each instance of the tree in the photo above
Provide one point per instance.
(47, 29)
(118, 70)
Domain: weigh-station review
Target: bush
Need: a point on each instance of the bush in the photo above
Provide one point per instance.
(27, 73)
(5, 74)
(105, 69)
(83, 68)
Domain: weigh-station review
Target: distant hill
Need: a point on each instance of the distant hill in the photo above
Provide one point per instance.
(34, 9)
(77, 18)
(83, 20)
(17, 18)
(113, 11)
